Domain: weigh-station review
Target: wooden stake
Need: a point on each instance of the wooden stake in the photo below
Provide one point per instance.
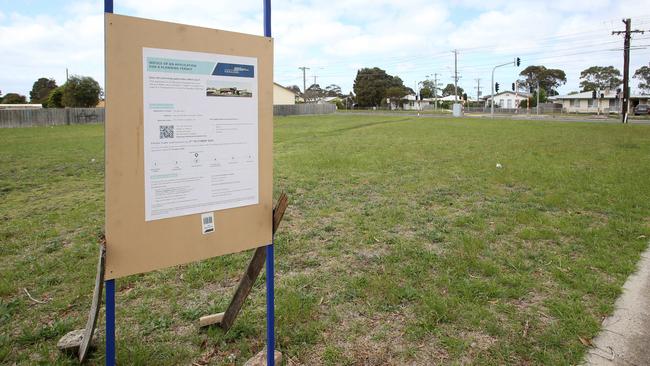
(78, 341)
(226, 319)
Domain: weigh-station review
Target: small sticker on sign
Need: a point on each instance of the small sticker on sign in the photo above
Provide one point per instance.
(207, 221)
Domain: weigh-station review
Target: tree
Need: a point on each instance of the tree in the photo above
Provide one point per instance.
(41, 90)
(14, 98)
(643, 74)
(395, 93)
(295, 89)
(450, 90)
(533, 99)
(55, 99)
(371, 84)
(433, 89)
(426, 93)
(333, 90)
(314, 93)
(600, 78)
(81, 91)
(548, 79)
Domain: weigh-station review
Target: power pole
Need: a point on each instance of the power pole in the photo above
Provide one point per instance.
(435, 92)
(315, 77)
(478, 89)
(626, 65)
(455, 75)
(304, 80)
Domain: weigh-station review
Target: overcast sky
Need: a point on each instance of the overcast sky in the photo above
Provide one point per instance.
(409, 38)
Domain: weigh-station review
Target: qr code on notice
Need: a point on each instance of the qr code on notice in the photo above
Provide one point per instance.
(167, 132)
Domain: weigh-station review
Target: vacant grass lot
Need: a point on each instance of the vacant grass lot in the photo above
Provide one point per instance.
(403, 244)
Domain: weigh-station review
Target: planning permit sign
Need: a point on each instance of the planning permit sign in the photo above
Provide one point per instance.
(200, 132)
(188, 143)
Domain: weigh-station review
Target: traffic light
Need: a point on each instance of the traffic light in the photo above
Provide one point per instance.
(602, 95)
(517, 61)
(513, 86)
(532, 90)
(593, 94)
(465, 96)
(496, 87)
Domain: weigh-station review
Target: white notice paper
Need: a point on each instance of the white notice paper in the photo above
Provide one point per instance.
(200, 132)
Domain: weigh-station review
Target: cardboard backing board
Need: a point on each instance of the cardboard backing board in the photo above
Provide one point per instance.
(133, 244)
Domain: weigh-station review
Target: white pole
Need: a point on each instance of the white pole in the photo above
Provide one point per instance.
(492, 101)
(492, 97)
(537, 105)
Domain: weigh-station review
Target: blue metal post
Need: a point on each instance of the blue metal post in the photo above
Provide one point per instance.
(110, 284)
(110, 322)
(108, 6)
(267, 18)
(270, 308)
(270, 290)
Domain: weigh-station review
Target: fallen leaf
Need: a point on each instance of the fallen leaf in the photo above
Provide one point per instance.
(586, 342)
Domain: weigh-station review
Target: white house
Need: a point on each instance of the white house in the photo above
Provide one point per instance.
(452, 98)
(507, 99)
(282, 95)
(411, 102)
(585, 103)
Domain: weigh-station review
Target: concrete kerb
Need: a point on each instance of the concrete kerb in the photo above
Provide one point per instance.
(625, 336)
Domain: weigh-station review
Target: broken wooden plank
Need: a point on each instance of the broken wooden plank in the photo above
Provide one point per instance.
(78, 341)
(89, 331)
(204, 321)
(250, 276)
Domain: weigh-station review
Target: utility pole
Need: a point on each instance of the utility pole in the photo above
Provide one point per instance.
(626, 65)
(478, 90)
(304, 81)
(435, 90)
(455, 75)
(315, 77)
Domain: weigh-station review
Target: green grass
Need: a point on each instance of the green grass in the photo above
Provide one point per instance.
(403, 244)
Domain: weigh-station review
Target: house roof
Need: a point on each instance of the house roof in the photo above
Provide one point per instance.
(448, 98)
(521, 94)
(451, 98)
(589, 95)
(284, 87)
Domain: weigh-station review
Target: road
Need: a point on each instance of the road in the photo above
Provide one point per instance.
(523, 117)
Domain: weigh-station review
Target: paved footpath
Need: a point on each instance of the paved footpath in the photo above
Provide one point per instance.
(625, 337)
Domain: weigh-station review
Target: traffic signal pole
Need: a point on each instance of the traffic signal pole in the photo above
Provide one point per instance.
(492, 98)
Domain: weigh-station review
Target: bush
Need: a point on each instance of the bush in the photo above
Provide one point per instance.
(81, 91)
(55, 99)
(14, 98)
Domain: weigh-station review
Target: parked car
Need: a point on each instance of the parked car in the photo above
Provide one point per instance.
(641, 109)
